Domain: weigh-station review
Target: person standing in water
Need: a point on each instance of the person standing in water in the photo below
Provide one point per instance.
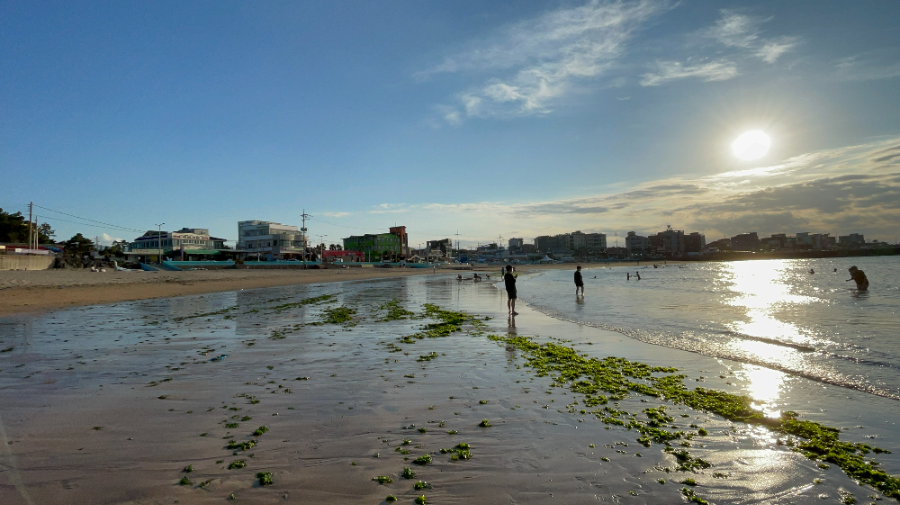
(510, 281)
(579, 282)
(862, 282)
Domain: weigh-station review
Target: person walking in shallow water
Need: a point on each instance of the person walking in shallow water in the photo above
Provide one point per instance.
(510, 280)
(862, 282)
(579, 282)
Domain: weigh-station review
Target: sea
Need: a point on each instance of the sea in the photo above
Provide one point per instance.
(797, 316)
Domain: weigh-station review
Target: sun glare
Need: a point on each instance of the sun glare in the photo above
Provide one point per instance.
(751, 145)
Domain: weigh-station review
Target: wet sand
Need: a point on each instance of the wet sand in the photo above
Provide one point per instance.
(109, 404)
(42, 290)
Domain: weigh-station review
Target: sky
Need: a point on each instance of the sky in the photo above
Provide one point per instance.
(487, 119)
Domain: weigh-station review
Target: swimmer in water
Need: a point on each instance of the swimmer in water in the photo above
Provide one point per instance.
(862, 282)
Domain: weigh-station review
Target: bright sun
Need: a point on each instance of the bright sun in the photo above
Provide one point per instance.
(751, 145)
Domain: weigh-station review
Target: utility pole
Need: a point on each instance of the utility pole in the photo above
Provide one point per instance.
(457, 245)
(159, 240)
(30, 225)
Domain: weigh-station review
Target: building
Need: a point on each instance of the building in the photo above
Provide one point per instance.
(376, 247)
(588, 242)
(444, 246)
(668, 243)
(542, 243)
(636, 245)
(185, 244)
(273, 241)
(515, 244)
(694, 243)
(529, 248)
(723, 244)
(400, 232)
(746, 242)
(852, 240)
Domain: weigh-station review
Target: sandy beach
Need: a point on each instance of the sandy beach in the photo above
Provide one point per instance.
(327, 387)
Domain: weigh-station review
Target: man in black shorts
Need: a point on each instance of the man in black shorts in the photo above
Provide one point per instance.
(510, 281)
(579, 282)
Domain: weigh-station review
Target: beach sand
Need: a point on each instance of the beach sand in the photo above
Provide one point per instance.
(109, 404)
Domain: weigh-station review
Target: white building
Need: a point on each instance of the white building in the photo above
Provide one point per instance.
(271, 240)
(192, 243)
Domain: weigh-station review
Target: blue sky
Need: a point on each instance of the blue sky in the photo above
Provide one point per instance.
(511, 119)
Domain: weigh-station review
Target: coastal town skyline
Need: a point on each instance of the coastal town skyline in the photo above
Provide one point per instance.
(519, 120)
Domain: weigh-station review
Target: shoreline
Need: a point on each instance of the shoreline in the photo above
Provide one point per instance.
(36, 291)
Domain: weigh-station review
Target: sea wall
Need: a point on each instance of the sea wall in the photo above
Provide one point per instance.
(25, 262)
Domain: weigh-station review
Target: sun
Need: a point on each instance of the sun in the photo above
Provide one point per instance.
(751, 145)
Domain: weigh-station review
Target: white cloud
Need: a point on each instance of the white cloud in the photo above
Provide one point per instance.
(866, 68)
(848, 189)
(771, 51)
(106, 239)
(736, 30)
(389, 208)
(535, 62)
(334, 214)
(743, 32)
(672, 70)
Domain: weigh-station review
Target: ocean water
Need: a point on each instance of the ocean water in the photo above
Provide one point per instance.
(772, 313)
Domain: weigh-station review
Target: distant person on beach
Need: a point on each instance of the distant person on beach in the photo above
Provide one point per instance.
(579, 282)
(627, 276)
(459, 277)
(510, 281)
(862, 282)
(638, 275)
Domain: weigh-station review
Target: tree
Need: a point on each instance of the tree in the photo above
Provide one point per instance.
(13, 227)
(46, 234)
(78, 245)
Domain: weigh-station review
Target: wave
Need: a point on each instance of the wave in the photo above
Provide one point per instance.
(657, 338)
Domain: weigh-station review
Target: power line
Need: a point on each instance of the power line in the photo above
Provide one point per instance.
(91, 220)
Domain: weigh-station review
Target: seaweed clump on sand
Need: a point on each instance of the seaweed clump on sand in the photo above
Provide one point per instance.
(316, 300)
(611, 378)
(448, 322)
(337, 315)
(395, 311)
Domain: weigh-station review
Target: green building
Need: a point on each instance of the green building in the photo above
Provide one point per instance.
(376, 247)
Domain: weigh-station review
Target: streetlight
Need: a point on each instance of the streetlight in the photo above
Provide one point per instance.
(159, 240)
(322, 248)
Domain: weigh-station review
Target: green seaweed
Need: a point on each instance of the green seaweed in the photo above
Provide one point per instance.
(237, 464)
(383, 479)
(390, 498)
(188, 469)
(242, 446)
(603, 379)
(338, 315)
(265, 478)
(423, 460)
(259, 431)
(485, 423)
(185, 481)
(408, 474)
(421, 485)
(395, 311)
(421, 500)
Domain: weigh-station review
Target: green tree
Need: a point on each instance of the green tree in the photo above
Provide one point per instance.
(46, 234)
(13, 227)
(78, 245)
